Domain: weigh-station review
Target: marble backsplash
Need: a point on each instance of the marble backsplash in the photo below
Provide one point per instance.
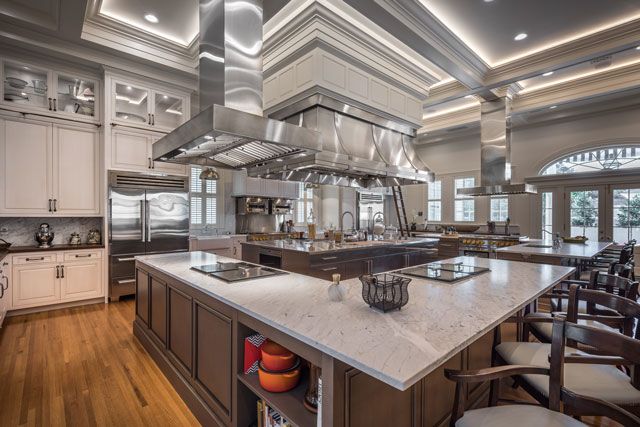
(20, 231)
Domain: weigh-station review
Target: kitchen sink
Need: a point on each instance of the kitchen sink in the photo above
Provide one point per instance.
(537, 245)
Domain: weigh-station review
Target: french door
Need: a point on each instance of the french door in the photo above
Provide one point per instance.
(603, 212)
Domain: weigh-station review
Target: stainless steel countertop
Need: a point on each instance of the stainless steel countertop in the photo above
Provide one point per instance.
(319, 246)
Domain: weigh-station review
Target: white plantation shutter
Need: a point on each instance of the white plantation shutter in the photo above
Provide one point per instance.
(304, 205)
(204, 200)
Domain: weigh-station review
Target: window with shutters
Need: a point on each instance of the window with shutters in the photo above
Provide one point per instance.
(464, 206)
(434, 201)
(304, 204)
(204, 200)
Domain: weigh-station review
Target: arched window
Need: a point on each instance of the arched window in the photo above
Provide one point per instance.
(606, 158)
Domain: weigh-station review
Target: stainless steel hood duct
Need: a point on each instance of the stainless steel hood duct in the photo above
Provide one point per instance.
(230, 131)
(359, 149)
(495, 153)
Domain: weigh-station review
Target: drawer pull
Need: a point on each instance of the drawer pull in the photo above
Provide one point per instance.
(83, 256)
(125, 259)
(327, 258)
(124, 282)
(36, 259)
(330, 269)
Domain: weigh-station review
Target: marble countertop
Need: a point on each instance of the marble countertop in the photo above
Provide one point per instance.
(567, 250)
(319, 246)
(65, 247)
(398, 348)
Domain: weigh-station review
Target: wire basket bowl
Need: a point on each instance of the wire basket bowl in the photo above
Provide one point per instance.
(385, 291)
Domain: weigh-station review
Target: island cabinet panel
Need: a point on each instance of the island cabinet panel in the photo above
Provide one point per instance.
(438, 394)
(142, 296)
(478, 357)
(370, 402)
(159, 309)
(213, 369)
(180, 328)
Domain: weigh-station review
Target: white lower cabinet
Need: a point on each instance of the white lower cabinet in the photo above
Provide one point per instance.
(56, 277)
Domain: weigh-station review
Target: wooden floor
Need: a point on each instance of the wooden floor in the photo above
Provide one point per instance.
(82, 367)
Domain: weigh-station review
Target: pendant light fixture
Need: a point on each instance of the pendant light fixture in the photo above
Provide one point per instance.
(209, 174)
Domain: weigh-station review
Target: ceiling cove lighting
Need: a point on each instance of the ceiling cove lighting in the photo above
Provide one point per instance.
(552, 107)
(520, 36)
(547, 74)
(151, 18)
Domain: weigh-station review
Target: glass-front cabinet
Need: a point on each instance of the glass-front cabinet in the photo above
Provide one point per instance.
(31, 88)
(144, 107)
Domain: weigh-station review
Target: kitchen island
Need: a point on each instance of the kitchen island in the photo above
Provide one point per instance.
(543, 251)
(377, 368)
(322, 259)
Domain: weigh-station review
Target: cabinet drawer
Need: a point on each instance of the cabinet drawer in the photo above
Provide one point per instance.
(327, 271)
(82, 256)
(34, 258)
(325, 259)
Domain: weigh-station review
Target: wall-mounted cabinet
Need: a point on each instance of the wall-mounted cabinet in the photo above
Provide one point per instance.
(62, 94)
(48, 169)
(131, 150)
(247, 186)
(138, 105)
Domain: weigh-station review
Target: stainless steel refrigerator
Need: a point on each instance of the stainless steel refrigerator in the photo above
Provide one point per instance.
(148, 214)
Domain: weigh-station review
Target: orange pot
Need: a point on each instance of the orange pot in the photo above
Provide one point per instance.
(276, 358)
(279, 382)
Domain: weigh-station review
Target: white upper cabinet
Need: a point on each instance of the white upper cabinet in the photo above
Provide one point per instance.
(48, 169)
(131, 150)
(143, 106)
(37, 89)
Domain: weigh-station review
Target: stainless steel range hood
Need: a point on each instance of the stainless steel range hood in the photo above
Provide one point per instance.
(359, 149)
(230, 131)
(495, 153)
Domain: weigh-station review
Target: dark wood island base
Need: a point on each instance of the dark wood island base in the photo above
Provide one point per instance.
(198, 341)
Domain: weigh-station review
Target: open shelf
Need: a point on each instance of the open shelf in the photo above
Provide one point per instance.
(289, 404)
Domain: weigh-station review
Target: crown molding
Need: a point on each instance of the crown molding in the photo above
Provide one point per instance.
(605, 42)
(318, 25)
(114, 34)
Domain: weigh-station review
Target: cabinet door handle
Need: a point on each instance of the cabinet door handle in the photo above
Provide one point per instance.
(57, 271)
(62, 271)
(84, 256)
(153, 119)
(55, 104)
(50, 205)
(330, 269)
(149, 116)
(126, 259)
(5, 285)
(124, 282)
(36, 259)
(55, 205)
(50, 106)
(327, 258)
(148, 162)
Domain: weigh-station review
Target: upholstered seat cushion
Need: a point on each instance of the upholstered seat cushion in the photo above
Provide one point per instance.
(599, 381)
(516, 415)
(544, 329)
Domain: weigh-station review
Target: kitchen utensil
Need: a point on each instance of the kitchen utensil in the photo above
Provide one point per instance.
(279, 382)
(4, 244)
(39, 86)
(75, 239)
(337, 292)
(385, 291)
(44, 236)
(276, 358)
(252, 345)
(312, 396)
(94, 237)
(16, 82)
(378, 229)
(15, 97)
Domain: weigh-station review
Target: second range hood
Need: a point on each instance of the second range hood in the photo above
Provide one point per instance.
(359, 149)
(495, 153)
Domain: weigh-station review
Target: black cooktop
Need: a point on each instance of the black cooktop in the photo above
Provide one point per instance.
(444, 272)
(236, 271)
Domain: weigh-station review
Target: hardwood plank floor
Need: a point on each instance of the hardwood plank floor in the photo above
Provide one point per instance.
(82, 366)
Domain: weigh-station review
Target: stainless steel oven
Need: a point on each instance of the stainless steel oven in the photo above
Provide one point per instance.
(270, 258)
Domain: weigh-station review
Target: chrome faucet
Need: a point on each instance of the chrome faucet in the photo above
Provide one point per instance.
(353, 220)
(557, 242)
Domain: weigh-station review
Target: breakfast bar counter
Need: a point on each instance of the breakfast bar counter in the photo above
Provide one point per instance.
(395, 355)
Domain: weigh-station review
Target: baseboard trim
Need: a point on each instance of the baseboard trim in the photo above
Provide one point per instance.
(29, 310)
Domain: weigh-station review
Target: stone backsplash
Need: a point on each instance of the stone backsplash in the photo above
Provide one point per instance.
(20, 231)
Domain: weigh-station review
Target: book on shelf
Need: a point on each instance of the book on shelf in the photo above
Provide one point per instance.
(269, 417)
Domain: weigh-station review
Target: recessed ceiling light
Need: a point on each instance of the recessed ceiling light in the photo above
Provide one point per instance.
(165, 97)
(208, 137)
(552, 107)
(488, 1)
(151, 18)
(26, 68)
(129, 88)
(520, 36)
(638, 48)
(547, 74)
(469, 96)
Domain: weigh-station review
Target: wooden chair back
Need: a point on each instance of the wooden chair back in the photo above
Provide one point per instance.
(613, 283)
(622, 350)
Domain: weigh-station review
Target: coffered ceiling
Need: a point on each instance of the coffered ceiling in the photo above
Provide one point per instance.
(489, 27)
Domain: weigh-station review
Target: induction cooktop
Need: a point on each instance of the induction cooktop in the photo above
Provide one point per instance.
(236, 271)
(444, 272)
